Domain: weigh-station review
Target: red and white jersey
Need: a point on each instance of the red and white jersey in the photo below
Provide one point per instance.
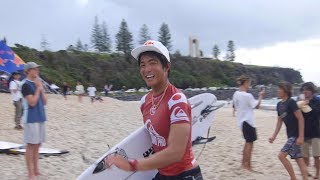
(173, 108)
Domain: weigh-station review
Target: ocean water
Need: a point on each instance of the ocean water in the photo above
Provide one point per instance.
(271, 104)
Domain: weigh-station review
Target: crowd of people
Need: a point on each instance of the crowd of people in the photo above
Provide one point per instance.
(80, 91)
(301, 119)
(173, 156)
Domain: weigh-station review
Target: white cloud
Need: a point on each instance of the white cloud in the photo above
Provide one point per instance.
(300, 55)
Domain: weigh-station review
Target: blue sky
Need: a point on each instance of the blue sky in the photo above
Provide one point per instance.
(282, 33)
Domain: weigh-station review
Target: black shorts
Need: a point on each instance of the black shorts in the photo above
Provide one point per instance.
(192, 174)
(249, 132)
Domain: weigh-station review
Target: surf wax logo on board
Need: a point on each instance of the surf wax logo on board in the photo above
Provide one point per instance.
(155, 137)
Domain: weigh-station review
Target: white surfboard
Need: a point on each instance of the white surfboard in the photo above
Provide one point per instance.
(14, 148)
(203, 106)
(138, 144)
(8, 145)
(42, 151)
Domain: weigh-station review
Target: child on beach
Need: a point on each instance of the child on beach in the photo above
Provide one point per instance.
(289, 113)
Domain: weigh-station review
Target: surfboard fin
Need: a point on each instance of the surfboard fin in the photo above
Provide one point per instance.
(202, 140)
(100, 167)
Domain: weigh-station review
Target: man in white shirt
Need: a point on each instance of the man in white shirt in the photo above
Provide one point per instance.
(244, 104)
(15, 89)
(92, 92)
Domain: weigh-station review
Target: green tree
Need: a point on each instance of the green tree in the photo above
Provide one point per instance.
(177, 53)
(105, 38)
(144, 34)
(165, 36)
(70, 48)
(124, 39)
(79, 46)
(4, 40)
(230, 56)
(215, 52)
(96, 36)
(85, 47)
(44, 43)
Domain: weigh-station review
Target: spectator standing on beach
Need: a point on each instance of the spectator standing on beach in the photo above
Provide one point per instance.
(15, 89)
(79, 91)
(34, 117)
(167, 116)
(244, 104)
(92, 92)
(310, 107)
(65, 89)
(289, 113)
(107, 88)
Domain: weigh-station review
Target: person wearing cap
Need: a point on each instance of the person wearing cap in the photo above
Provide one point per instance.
(244, 103)
(289, 113)
(34, 117)
(310, 107)
(15, 89)
(166, 116)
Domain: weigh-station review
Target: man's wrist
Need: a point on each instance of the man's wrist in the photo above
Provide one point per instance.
(133, 163)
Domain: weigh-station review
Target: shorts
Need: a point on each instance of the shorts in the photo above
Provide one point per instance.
(192, 174)
(315, 146)
(249, 132)
(34, 133)
(292, 148)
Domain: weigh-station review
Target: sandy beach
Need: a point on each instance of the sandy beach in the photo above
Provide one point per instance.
(86, 130)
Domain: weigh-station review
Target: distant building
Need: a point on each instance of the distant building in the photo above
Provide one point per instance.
(194, 47)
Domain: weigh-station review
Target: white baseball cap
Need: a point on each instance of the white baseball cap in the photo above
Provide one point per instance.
(151, 45)
(30, 65)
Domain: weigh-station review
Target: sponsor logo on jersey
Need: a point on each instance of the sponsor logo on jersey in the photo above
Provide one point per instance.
(178, 114)
(155, 137)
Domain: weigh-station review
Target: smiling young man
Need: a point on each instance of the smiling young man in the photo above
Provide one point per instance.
(167, 116)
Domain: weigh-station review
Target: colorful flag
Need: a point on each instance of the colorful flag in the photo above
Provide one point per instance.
(9, 61)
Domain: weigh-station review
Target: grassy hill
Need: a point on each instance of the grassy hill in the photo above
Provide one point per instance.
(113, 68)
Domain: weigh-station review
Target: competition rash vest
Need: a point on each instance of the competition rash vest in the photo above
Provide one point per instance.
(173, 108)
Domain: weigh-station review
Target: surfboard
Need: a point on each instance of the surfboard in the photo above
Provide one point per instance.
(203, 106)
(42, 151)
(138, 144)
(14, 148)
(4, 146)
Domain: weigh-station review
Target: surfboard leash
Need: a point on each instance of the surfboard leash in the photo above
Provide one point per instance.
(204, 146)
